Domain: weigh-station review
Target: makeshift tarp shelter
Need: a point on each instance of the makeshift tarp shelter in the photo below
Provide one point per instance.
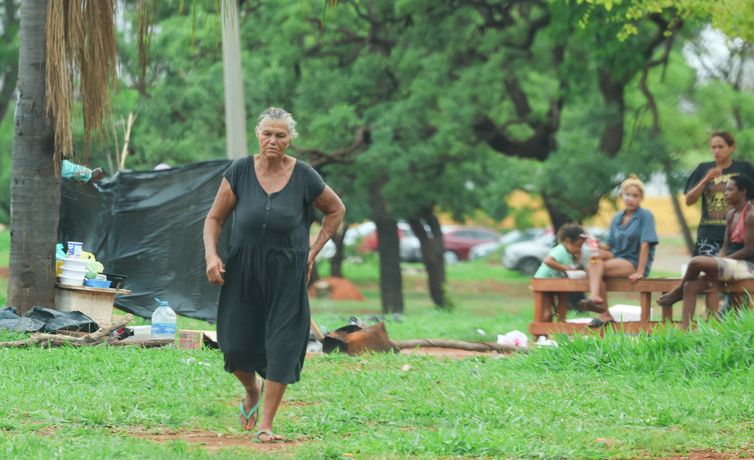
(147, 225)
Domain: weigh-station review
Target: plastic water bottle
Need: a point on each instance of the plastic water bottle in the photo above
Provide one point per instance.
(163, 321)
(594, 250)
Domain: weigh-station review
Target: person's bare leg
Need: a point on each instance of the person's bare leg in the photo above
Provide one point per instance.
(693, 284)
(614, 268)
(712, 302)
(595, 272)
(696, 265)
(690, 290)
(253, 388)
(272, 398)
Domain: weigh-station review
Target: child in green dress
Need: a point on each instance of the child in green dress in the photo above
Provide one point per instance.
(567, 255)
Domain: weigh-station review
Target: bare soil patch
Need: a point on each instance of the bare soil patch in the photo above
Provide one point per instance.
(212, 441)
(4, 272)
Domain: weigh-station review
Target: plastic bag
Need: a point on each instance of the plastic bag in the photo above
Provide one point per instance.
(55, 320)
(514, 339)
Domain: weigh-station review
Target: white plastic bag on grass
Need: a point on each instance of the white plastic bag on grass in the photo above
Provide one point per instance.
(513, 339)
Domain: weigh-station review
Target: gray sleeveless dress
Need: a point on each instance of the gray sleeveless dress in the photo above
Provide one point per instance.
(263, 314)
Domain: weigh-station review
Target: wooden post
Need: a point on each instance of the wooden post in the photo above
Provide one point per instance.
(646, 306)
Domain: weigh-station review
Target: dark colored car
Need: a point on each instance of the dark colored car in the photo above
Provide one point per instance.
(460, 239)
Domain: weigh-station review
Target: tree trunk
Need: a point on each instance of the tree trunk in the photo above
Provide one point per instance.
(685, 230)
(432, 248)
(557, 217)
(8, 76)
(35, 191)
(336, 262)
(388, 246)
(612, 133)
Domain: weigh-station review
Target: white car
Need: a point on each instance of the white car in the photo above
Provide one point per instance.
(526, 256)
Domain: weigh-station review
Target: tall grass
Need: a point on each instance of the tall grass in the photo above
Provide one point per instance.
(714, 348)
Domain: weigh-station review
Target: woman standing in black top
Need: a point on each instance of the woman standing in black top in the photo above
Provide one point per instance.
(263, 313)
(708, 182)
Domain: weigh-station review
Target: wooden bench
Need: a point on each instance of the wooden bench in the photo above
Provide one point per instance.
(555, 291)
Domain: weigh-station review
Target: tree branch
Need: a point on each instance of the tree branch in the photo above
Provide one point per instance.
(318, 158)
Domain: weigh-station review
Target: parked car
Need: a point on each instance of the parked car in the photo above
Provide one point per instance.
(526, 256)
(459, 240)
(410, 247)
(483, 250)
(357, 232)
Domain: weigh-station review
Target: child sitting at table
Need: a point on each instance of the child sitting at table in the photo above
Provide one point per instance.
(566, 256)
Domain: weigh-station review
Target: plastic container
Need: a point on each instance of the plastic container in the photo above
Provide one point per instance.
(163, 321)
(141, 332)
(117, 280)
(71, 281)
(97, 283)
(72, 272)
(594, 250)
(74, 248)
(75, 263)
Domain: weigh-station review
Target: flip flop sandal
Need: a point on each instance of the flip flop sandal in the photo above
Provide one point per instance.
(272, 437)
(597, 323)
(254, 409)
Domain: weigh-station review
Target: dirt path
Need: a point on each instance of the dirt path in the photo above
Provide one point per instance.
(210, 440)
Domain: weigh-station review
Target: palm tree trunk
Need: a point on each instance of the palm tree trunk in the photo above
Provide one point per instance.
(35, 191)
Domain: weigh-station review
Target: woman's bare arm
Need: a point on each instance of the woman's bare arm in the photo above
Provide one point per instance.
(333, 208)
(222, 207)
(696, 192)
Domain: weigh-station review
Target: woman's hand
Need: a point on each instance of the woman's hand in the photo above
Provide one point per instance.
(215, 270)
(309, 267)
(636, 277)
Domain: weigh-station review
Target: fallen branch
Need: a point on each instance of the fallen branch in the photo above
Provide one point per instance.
(458, 345)
(143, 343)
(57, 340)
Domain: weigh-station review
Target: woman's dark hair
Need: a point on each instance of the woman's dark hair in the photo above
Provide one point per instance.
(726, 136)
(744, 183)
(570, 232)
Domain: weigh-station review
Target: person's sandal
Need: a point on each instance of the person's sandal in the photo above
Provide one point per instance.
(254, 409)
(596, 323)
(272, 438)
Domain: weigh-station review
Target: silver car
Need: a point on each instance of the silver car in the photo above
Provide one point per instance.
(527, 256)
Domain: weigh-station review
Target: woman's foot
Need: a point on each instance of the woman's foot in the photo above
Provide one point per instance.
(266, 435)
(591, 305)
(670, 297)
(250, 407)
(601, 320)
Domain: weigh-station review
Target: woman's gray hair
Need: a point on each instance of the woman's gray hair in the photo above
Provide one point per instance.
(275, 113)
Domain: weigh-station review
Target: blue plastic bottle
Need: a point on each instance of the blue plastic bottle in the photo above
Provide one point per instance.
(163, 321)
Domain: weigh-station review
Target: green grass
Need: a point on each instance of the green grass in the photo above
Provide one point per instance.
(617, 397)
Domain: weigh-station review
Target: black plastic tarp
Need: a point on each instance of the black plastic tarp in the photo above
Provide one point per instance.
(148, 226)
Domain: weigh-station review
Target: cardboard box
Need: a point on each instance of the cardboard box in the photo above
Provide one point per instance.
(189, 339)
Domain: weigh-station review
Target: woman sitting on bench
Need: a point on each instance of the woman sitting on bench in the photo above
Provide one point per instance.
(631, 240)
(738, 242)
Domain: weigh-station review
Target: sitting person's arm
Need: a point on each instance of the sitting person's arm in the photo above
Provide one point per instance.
(746, 252)
(642, 265)
(555, 265)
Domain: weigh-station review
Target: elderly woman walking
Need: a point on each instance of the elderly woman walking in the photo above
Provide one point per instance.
(263, 315)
